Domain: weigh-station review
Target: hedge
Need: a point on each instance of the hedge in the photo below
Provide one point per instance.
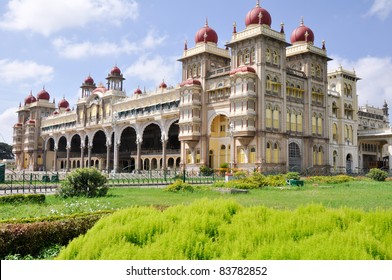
(31, 238)
(22, 198)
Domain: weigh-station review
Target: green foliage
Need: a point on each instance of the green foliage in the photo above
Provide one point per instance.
(87, 182)
(293, 176)
(224, 165)
(225, 230)
(22, 198)
(45, 254)
(238, 184)
(29, 239)
(377, 174)
(338, 179)
(178, 186)
(240, 175)
(205, 170)
(6, 151)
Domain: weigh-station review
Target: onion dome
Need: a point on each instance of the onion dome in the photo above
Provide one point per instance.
(100, 89)
(55, 112)
(163, 85)
(258, 15)
(138, 91)
(115, 71)
(63, 103)
(89, 80)
(30, 122)
(302, 34)
(43, 95)
(190, 82)
(30, 99)
(242, 70)
(18, 125)
(206, 34)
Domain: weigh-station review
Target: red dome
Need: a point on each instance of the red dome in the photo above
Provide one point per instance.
(253, 16)
(63, 103)
(302, 34)
(115, 71)
(190, 82)
(30, 99)
(163, 85)
(206, 34)
(138, 91)
(243, 69)
(43, 95)
(55, 113)
(89, 80)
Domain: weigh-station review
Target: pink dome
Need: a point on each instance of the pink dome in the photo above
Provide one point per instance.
(302, 34)
(243, 69)
(43, 95)
(138, 91)
(206, 34)
(63, 103)
(30, 99)
(190, 82)
(253, 16)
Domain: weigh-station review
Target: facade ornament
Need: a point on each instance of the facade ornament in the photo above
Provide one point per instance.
(282, 27)
(260, 18)
(234, 28)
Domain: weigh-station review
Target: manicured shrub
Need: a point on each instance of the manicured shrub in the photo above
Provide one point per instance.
(22, 198)
(178, 186)
(338, 179)
(31, 238)
(293, 176)
(87, 182)
(238, 184)
(225, 230)
(377, 174)
(205, 170)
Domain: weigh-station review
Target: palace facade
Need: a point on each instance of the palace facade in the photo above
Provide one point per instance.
(258, 103)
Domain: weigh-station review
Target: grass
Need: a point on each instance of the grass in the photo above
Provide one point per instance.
(365, 195)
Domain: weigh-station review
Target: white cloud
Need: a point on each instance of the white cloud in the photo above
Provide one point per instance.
(72, 50)
(154, 69)
(48, 16)
(375, 85)
(381, 9)
(7, 119)
(12, 71)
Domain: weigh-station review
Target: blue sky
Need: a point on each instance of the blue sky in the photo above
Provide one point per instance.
(57, 44)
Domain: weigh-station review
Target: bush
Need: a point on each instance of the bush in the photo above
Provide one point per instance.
(237, 184)
(329, 179)
(22, 198)
(31, 238)
(87, 182)
(205, 170)
(179, 185)
(293, 176)
(377, 174)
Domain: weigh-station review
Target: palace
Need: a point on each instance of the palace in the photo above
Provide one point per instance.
(259, 103)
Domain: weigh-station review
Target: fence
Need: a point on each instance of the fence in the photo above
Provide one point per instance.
(29, 182)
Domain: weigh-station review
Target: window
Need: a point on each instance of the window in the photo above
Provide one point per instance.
(335, 133)
(268, 153)
(275, 154)
(252, 56)
(241, 155)
(240, 58)
(247, 57)
(276, 58)
(276, 118)
(188, 156)
(314, 123)
(252, 155)
(269, 83)
(268, 116)
(268, 56)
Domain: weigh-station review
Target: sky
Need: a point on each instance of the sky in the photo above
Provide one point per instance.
(56, 44)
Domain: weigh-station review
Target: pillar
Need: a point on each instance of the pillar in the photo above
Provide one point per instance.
(89, 156)
(82, 156)
(115, 157)
(55, 159)
(164, 144)
(108, 147)
(138, 164)
(67, 166)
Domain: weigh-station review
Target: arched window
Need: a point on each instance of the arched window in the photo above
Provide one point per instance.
(315, 150)
(247, 57)
(240, 58)
(194, 70)
(299, 122)
(293, 121)
(241, 155)
(320, 125)
(314, 123)
(276, 118)
(313, 70)
(334, 109)
(268, 56)
(268, 154)
(275, 58)
(268, 117)
(275, 154)
(318, 71)
(252, 155)
(335, 133)
(268, 83)
(288, 120)
(335, 159)
(252, 56)
(320, 156)
(276, 85)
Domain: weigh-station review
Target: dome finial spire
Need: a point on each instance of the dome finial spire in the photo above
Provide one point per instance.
(257, 3)
(302, 21)
(206, 21)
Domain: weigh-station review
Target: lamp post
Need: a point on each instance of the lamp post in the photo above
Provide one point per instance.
(182, 166)
(232, 130)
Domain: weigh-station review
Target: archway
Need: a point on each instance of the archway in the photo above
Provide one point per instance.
(127, 149)
(295, 161)
(220, 137)
(99, 148)
(349, 163)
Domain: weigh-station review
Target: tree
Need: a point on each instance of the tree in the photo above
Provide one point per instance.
(6, 151)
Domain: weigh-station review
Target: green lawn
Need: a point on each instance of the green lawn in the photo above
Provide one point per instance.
(366, 195)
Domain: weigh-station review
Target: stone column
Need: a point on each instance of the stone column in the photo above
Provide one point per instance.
(139, 153)
(89, 155)
(67, 166)
(115, 157)
(44, 160)
(55, 159)
(82, 156)
(108, 147)
(164, 144)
